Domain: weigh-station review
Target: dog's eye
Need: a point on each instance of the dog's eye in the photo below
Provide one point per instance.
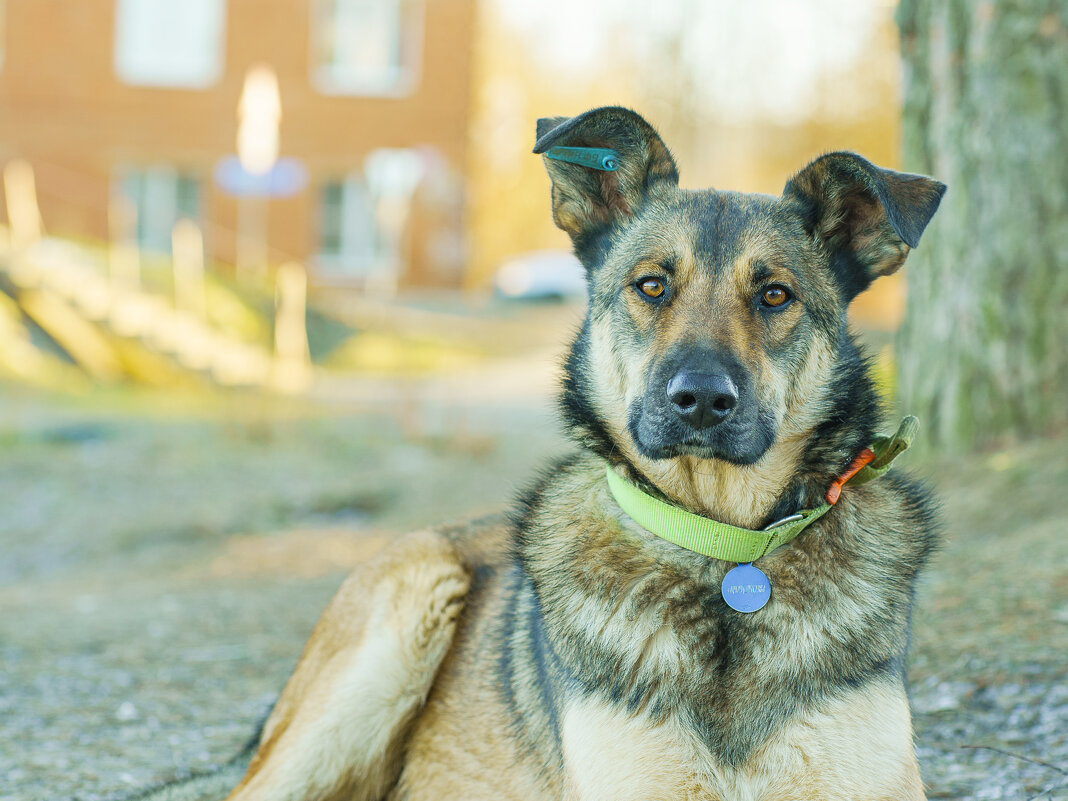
(651, 287)
(775, 296)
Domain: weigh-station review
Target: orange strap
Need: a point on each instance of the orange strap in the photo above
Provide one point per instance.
(835, 489)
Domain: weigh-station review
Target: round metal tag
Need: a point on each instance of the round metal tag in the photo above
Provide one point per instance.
(746, 588)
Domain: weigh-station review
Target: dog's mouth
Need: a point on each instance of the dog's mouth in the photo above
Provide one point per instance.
(741, 440)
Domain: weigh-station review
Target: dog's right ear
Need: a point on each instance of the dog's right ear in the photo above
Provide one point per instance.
(587, 201)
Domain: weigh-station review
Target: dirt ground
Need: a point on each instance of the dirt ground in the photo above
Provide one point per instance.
(163, 564)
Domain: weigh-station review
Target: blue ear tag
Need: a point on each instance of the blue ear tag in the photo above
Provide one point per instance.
(596, 158)
(745, 588)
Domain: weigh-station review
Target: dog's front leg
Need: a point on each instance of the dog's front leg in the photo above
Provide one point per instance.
(339, 727)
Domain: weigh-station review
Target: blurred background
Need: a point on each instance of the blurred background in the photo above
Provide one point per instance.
(278, 281)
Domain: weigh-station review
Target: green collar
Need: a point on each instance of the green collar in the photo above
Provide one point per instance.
(732, 543)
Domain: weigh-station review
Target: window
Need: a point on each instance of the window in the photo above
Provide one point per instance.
(364, 217)
(161, 196)
(366, 47)
(349, 244)
(171, 43)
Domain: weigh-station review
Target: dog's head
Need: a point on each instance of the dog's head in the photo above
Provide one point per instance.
(717, 319)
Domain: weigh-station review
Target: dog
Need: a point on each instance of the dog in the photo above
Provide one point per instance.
(563, 651)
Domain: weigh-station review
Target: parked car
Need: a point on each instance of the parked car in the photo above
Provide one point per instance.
(542, 275)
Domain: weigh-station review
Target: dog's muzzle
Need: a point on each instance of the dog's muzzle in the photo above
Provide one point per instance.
(700, 401)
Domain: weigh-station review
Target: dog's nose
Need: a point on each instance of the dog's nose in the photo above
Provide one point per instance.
(700, 399)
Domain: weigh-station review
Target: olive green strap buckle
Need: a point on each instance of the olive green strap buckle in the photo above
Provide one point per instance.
(886, 449)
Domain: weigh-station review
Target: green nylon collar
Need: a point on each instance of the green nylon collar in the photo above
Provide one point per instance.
(732, 543)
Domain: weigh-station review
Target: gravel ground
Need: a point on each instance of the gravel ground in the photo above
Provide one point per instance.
(989, 668)
(131, 652)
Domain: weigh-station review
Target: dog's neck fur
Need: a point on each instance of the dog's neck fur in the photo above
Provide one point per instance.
(794, 473)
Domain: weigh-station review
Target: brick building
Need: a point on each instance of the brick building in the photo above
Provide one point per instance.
(139, 97)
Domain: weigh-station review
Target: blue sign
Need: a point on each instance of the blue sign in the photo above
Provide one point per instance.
(287, 177)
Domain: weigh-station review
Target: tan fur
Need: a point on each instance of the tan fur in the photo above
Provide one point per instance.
(365, 673)
(461, 746)
(857, 747)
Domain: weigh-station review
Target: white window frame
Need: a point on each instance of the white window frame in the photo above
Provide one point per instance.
(130, 72)
(412, 23)
(351, 263)
(171, 214)
(387, 183)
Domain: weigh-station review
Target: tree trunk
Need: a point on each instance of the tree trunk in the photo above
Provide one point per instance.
(983, 350)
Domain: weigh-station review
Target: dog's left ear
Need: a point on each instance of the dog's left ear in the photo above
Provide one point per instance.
(587, 201)
(868, 217)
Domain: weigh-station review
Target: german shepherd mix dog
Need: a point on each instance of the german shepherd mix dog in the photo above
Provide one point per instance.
(567, 652)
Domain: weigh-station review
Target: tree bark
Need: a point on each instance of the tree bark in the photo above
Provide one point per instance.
(983, 350)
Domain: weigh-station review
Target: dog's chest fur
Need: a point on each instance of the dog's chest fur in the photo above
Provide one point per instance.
(637, 627)
(615, 756)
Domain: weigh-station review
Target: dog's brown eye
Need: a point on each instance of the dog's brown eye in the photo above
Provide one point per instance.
(775, 296)
(651, 287)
